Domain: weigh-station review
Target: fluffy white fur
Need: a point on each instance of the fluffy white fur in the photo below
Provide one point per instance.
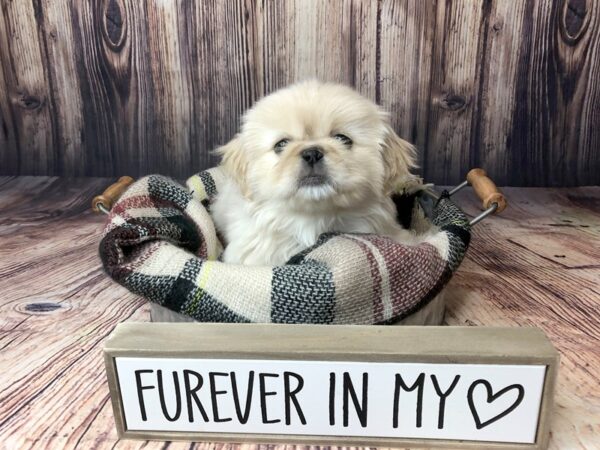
(267, 213)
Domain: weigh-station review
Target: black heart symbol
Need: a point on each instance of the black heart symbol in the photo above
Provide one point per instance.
(490, 398)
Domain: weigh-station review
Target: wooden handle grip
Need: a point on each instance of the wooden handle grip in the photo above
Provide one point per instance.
(486, 190)
(111, 194)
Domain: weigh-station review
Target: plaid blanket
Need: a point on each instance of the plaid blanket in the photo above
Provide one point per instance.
(161, 243)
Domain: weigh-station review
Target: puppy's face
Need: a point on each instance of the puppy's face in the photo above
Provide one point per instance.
(317, 145)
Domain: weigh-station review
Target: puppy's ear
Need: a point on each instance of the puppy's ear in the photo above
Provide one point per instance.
(399, 156)
(235, 162)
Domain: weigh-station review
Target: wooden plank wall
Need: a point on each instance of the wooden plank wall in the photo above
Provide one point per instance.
(113, 87)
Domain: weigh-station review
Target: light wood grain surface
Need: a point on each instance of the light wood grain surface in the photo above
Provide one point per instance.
(538, 264)
(110, 87)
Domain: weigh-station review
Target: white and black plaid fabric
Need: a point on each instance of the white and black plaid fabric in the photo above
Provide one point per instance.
(161, 243)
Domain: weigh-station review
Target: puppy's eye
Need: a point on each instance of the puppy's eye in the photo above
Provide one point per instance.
(343, 139)
(281, 145)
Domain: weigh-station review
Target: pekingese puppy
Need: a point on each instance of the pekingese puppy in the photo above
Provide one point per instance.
(309, 159)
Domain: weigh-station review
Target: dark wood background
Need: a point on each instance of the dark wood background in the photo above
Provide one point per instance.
(117, 87)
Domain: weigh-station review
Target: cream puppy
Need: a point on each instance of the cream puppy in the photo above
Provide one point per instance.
(309, 159)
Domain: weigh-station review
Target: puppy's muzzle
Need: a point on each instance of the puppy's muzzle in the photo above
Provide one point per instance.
(312, 155)
(313, 172)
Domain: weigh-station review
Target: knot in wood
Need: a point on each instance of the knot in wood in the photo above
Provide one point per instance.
(42, 307)
(114, 24)
(452, 102)
(574, 20)
(29, 102)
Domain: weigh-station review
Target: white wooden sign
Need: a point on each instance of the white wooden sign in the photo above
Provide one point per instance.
(435, 401)
(178, 394)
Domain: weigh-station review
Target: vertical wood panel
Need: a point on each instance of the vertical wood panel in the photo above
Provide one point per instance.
(108, 65)
(170, 90)
(60, 49)
(541, 112)
(588, 87)
(332, 41)
(223, 44)
(26, 87)
(364, 45)
(454, 89)
(500, 96)
(321, 32)
(9, 148)
(572, 72)
(407, 31)
(277, 45)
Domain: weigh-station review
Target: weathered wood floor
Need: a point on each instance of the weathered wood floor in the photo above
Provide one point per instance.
(536, 265)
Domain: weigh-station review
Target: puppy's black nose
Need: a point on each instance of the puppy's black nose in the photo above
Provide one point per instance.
(312, 155)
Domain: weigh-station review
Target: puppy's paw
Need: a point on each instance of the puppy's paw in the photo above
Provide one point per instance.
(411, 185)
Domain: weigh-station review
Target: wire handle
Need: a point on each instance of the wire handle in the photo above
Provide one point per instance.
(486, 190)
(493, 200)
(105, 201)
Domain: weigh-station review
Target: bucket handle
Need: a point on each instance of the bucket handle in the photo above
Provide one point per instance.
(105, 201)
(493, 201)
